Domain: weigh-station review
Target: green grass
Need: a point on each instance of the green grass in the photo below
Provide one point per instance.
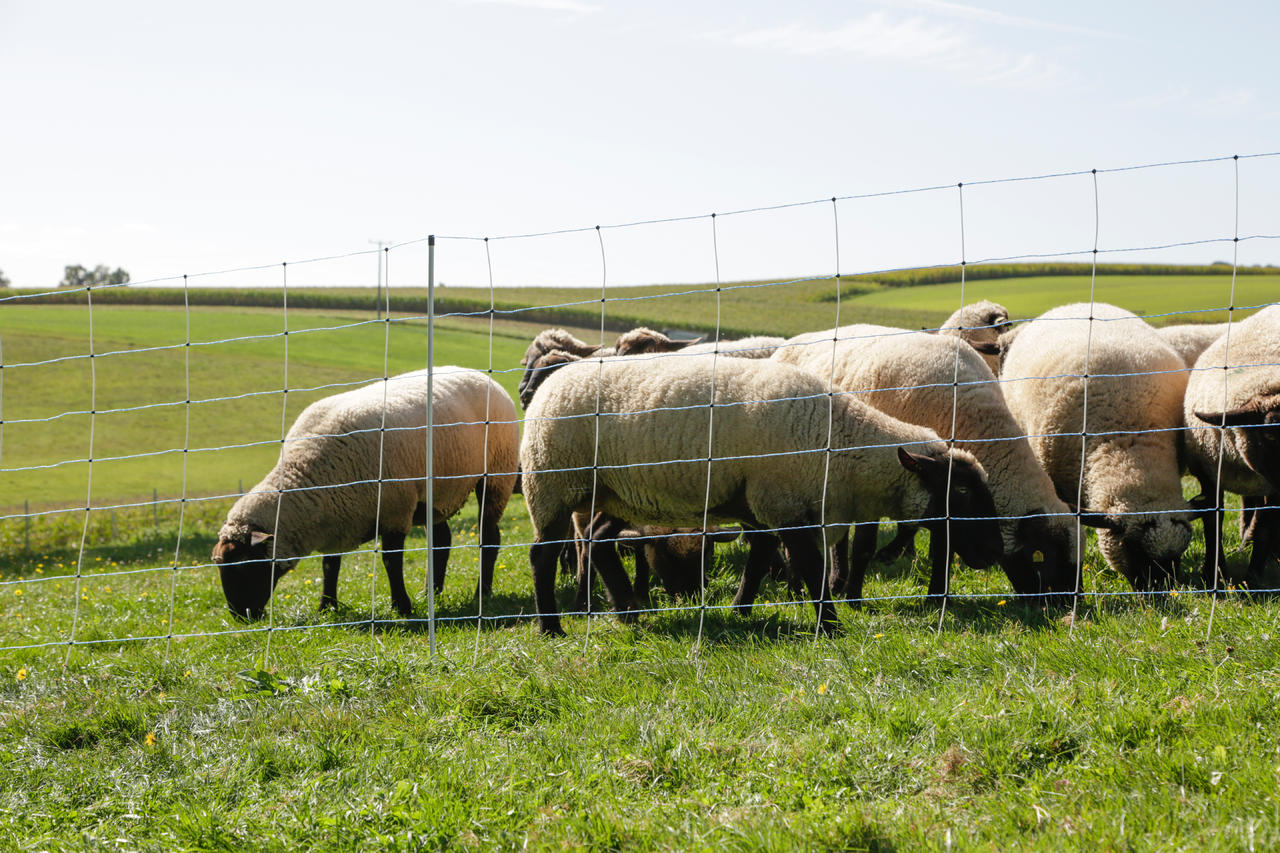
(168, 726)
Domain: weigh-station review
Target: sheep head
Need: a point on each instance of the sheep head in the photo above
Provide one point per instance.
(958, 496)
(245, 569)
(1258, 433)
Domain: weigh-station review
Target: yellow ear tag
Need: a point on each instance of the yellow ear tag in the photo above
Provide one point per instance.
(1037, 557)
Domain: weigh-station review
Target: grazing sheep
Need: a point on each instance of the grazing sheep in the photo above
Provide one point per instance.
(1132, 383)
(330, 495)
(910, 376)
(1190, 339)
(981, 324)
(1232, 411)
(540, 363)
(776, 429)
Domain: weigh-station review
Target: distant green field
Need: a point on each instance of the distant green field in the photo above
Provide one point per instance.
(137, 384)
(1164, 299)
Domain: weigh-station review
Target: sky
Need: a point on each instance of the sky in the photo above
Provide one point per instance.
(180, 139)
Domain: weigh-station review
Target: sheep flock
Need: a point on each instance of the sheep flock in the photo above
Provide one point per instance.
(1004, 440)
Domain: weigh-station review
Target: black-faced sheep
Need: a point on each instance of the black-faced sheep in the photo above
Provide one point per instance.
(330, 495)
(784, 457)
(913, 376)
(1232, 412)
(1135, 383)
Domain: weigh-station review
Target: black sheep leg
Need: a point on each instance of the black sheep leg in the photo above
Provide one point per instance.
(393, 562)
(761, 550)
(441, 540)
(543, 556)
(1215, 555)
(330, 564)
(1266, 538)
(904, 542)
(859, 557)
(490, 538)
(940, 552)
(807, 558)
(604, 557)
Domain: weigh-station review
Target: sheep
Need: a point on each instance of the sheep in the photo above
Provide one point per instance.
(776, 431)
(1190, 339)
(342, 480)
(980, 324)
(910, 376)
(1232, 411)
(1132, 382)
(543, 356)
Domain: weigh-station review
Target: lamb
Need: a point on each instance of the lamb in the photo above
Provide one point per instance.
(775, 430)
(981, 324)
(910, 376)
(1189, 340)
(330, 495)
(1132, 383)
(1232, 410)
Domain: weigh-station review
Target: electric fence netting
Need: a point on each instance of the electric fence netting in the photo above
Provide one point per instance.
(722, 451)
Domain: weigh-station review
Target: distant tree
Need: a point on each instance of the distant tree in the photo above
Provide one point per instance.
(4, 282)
(75, 275)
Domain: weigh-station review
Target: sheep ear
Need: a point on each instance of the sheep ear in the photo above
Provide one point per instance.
(986, 347)
(675, 345)
(916, 463)
(1243, 416)
(257, 537)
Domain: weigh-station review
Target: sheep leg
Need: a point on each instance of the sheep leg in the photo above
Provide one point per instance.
(330, 563)
(940, 552)
(859, 556)
(807, 557)
(1248, 516)
(763, 547)
(1215, 555)
(490, 539)
(441, 539)
(903, 543)
(543, 555)
(604, 556)
(1264, 538)
(393, 562)
(642, 573)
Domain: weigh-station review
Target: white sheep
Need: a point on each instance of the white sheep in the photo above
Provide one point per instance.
(1189, 340)
(775, 428)
(981, 324)
(1232, 411)
(330, 495)
(1132, 383)
(912, 376)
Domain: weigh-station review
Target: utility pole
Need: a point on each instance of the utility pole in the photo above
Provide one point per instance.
(380, 244)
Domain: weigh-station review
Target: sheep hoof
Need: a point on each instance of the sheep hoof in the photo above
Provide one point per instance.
(551, 627)
(628, 617)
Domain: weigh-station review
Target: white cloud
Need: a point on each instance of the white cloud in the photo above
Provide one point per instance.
(909, 41)
(546, 5)
(986, 16)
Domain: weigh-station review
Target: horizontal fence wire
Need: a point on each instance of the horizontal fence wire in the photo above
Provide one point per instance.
(81, 571)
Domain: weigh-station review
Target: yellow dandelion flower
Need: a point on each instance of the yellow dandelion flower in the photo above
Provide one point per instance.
(17, 592)
(800, 692)
(106, 589)
(878, 636)
(822, 689)
(187, 674)
(39, 570)
(150, 739)
(22, 673)
(1000, 603)
(1173, 592)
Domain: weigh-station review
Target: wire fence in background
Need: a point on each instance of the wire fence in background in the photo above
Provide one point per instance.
(118, 429)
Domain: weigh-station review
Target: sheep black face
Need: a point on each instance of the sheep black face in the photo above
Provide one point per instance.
(245, 571)
(1146, 550)
(1046, 561)
(968, 505)
(1259, 424)
(537, 371)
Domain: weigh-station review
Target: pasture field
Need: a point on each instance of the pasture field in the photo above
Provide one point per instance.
(169, 724)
